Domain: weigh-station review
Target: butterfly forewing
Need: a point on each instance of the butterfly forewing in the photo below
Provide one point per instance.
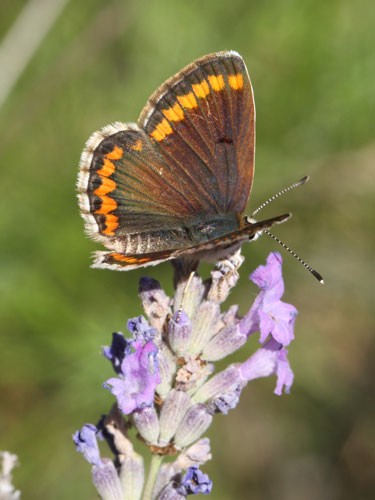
(202, 121)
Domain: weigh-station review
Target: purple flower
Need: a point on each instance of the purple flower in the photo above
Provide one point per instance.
(270, 359)
(194, 482)
(269, 314)
(119, 348)
(139, 378)
(140, 329)
(86, 443)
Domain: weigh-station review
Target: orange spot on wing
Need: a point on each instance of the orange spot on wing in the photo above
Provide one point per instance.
(111, 221)
(216, 82)
(201, 89)
(107, 169)
(236, 81)
(108, 205)
(115, 154)
(123, 258)
(175, 113)
(188, 101)
(162, 130)
(106, 187)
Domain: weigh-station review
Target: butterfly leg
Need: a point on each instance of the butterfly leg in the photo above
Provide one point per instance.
(225, 276)
(231, 262)
(188, 286)
(183, 296)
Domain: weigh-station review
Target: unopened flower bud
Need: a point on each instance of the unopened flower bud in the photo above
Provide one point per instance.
(147, 423)
(167, 368)
(219, 384)
(155, 302)
(106, 480)
(203, 326)
(188, 295)
(195, 422)
(197, 454)
(225, 342)
(165, 474)
(171, 415)
(132, 476)
(170, 493)
(179, 332)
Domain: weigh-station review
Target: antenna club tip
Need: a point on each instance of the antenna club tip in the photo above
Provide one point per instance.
(318, 276)
(305, 179)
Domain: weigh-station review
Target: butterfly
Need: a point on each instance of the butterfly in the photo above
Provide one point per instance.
(176, 184)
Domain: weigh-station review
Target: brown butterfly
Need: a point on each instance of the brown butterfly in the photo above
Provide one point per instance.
(177, 183)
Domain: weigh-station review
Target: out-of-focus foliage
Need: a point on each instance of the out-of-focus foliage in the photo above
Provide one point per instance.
(312, 68)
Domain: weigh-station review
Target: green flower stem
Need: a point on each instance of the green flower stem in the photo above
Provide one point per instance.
(156, 462)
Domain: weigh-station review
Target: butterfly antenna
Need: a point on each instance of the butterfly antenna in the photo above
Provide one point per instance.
(283, 191)
(312, 271)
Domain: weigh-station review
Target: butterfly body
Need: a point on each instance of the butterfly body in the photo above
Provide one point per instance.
(176, 183)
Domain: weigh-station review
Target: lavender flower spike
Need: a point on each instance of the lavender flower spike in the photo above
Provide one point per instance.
(166, 384)
(269, 314)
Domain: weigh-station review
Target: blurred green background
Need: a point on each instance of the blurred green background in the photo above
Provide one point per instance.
(312, 68)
